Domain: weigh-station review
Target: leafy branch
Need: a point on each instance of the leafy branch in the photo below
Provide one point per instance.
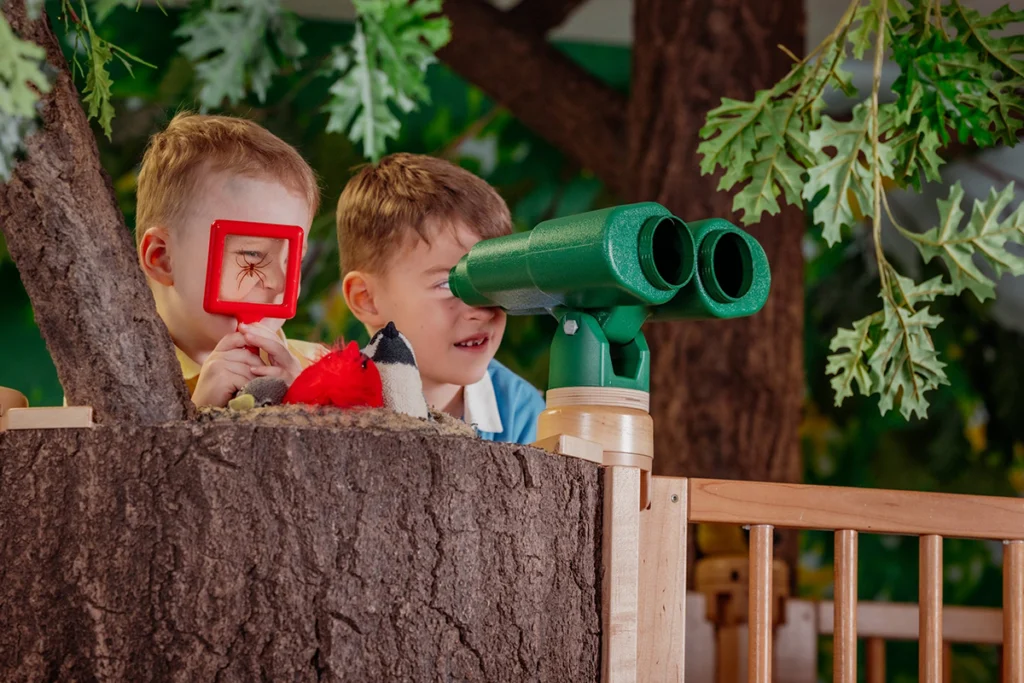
(232, 44)
(956, 78)
(385, 66)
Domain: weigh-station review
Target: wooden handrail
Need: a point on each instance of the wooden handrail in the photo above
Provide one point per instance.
(874, 511)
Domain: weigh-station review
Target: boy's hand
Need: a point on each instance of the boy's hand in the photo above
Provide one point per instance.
(228, 368)
(282, 363)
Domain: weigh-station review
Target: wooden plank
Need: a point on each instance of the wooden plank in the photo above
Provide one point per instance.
(48, 417)
(930, 601)
(876, 511)
(760, 610)
(875, 660)
(901, 621)
(796, 643)
(700, 641)
(621, 564)
(662, 590)
(1013, 612)
(844, 663)
(947, 663)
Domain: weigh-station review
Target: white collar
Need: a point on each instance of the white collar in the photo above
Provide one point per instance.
(480, 405)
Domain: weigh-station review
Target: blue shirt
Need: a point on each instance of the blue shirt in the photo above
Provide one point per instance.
(503, 406)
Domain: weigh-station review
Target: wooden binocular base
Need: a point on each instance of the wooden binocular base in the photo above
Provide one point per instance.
(604, 425)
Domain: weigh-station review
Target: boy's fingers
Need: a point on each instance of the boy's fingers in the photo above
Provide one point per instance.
(240, 355)
(234, 340)
(277, 352)
(269, 371)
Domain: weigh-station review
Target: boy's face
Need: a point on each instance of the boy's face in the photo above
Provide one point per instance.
(260, 272)
(453, 342)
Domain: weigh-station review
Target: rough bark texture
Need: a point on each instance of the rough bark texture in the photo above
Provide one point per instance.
(542, 87)
(726, 395)
(232, 552)
(68, 238)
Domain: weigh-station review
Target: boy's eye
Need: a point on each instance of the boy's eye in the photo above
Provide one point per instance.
(257, 255)
(443, 285)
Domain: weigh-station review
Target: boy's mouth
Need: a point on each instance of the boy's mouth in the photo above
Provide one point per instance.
(477, 341)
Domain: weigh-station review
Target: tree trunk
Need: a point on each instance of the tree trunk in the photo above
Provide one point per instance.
(246, 552)
(725, 395)
(75, 256)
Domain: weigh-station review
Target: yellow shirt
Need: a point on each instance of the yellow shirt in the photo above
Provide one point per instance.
(306, 353)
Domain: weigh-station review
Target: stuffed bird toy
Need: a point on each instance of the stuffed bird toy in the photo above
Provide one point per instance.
(402, 386)
(343, 378)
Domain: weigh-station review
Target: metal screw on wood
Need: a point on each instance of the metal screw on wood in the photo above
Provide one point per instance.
(571, 327)
(674, 498)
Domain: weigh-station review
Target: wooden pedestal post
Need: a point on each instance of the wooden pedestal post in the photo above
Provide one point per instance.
(644, 539)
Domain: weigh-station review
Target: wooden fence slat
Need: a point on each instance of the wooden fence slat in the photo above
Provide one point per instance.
(875, 660)
(844, 667)
(930, 601)
(759, 660)
(1013, 612)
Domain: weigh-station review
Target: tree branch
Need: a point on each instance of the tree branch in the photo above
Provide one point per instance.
(76, 258)
(541, 16)
(543, 88)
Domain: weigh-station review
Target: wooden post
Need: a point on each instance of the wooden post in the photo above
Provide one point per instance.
(620, 559)
(930, 590)
(875, 660)
(1013, 612)
(760, 610)
(844, 669)
(662, 590)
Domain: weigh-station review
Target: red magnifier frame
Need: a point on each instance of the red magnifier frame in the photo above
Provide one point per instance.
(248, 312)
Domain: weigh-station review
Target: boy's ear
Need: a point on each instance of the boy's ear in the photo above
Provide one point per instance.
(358, 290)
(155, 257)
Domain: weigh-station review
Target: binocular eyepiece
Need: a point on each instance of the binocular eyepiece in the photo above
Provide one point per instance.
(636, 255)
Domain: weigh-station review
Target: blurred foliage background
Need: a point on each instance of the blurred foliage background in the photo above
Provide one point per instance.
(971, 443)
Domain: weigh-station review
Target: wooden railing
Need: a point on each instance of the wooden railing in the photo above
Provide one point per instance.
(795, 647)
(851, 511)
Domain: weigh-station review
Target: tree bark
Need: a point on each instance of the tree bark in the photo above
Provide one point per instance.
(246, 552)
(77, 261)
(725, 395)
(543, 88)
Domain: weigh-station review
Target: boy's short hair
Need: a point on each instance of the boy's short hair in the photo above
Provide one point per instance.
(178, 158)
(407, 195)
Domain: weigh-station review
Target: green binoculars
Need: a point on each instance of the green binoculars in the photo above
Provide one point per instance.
(603, 274)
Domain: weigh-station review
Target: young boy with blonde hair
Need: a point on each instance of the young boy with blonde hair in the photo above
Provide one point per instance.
(200, 169)
(402, 225)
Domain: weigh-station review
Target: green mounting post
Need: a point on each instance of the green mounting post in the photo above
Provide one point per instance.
(603, 274)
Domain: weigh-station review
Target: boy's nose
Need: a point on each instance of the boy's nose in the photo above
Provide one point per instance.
(485, 314)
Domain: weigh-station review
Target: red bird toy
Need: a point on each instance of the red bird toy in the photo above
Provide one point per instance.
(344, 378)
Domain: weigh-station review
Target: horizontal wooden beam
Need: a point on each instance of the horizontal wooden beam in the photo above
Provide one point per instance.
(899, 621)
(874, 511)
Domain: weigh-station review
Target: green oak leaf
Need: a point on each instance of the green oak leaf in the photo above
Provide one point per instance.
(405, 37)
(734, 145)
(20, 72)
(847, 175)
(862, 35)
(915, 150)
(359, 100)
(850, 365)
(97, 83)
(984, 234)
(230, 44)
(1005, 53)
(941, 81)
(904, 364)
